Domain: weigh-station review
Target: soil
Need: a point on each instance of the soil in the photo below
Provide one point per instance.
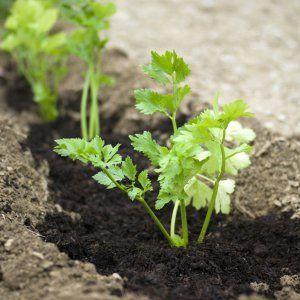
(61, 230)
(244, 49)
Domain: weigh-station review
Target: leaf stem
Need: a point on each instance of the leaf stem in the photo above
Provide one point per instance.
(156, 221)
(83, 107)
(215, 192)
(145, 205)
(173, 219)
(174, 124)
(94, 128)
(185, 232)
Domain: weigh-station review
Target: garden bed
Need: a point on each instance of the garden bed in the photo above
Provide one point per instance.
(49, 199)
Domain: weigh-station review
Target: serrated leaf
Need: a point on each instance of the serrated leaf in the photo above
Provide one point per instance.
(134, 192)
(157, 74)
(181, 69)
(181, 92)
(144, 180)
(165, 66)
(226, 187)
(145, 144)
(234, 110)
(129, 169)
(162, 201)
(109, 151)
(150, 102)
(104, 180)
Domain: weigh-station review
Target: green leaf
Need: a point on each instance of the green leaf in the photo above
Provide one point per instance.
(167, 67)
(181, 93)
(162, 201)
(104, 180)
(163, 62)
(234, 110)
(145, 144)
(134, 192)
(93, 152)
(149, 102)
(236, 132)
(129, 169)
(157, 74)
(109, 152)
(237, 162)
(10, 43)
(144, 180)
(226, 187)
(199, 192)
(46, 20)
(73, 148)
(181, 69)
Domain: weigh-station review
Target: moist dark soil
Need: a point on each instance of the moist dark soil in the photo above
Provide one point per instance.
(92, 224)
(117, 236)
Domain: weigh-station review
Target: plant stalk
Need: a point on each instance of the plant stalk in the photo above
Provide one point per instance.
(145, 205)
(215, 192)
(83, 107)
(156, 221)
(173, 219)
(185, 232)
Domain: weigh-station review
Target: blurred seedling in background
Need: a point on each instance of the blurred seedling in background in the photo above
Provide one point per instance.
(191, 168)
(5, 6)
(40, 55)
(89, 19)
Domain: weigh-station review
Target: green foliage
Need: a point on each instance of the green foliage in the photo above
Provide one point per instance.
(89, 18)
(115, 171)
(190, 169)
(40, 55)
(166, 69)
(5, 6)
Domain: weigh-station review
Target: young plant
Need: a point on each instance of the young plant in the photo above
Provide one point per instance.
(40, 55)
(191, 168)
(4, 8)
(90, 18)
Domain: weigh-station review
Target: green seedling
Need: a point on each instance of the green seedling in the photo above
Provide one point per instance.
(4, 8)
(90, 19)
(40, 55)
(191, 168)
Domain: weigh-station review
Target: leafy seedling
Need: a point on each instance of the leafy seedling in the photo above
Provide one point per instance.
(5, 6)
(40, 55)
(90, 18)
(191, 168)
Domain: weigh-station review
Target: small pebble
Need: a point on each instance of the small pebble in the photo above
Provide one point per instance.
(38, 255)
(8, 245)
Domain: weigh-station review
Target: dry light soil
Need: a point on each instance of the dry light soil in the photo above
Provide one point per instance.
(63, 236)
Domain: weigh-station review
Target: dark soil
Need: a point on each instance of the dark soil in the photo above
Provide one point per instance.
(118, 237)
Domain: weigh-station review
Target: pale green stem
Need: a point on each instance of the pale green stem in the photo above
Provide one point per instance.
(83, 106)
(185, 232)
(173, 119)
(156, 221)
(215, 192)
(173, 220)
